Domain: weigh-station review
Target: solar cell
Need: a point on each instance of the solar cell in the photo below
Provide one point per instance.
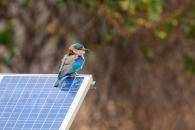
(31, 102)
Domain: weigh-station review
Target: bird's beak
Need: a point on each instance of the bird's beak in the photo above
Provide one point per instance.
(85, 49)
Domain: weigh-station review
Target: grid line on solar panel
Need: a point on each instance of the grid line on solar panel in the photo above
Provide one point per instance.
(49, 112)
(32, 104)
(18, 101)
(2, 111)
(37, 116)
(2, 94)
(31, 111)
(42, 109)
(15, 105)
(63, 101)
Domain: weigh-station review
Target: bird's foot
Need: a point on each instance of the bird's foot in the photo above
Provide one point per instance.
(74, 75)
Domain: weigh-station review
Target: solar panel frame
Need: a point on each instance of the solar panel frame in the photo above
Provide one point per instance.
(75, 105)
(1, 77)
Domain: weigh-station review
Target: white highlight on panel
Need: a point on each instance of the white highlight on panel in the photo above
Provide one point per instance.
(1, 77)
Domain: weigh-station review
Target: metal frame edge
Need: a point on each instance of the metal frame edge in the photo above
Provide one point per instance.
(79, 98)
(1, 77)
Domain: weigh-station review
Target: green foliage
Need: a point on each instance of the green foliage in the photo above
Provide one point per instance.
(187, 22)
(148, 52)
(170, 24)
(188, 26)
(113, 3)
(160, 34)
(190, 29)
(154, 10)
(165, 31)
(91, 6)
(189, 64)
(8, 59)
(6, 37)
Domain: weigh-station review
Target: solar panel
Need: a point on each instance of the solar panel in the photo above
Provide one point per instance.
(30, 102)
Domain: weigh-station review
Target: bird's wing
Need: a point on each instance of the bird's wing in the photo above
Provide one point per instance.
(75, 66)
(67, 60)
(66, 69)
(62, 62)
(78, 65)
(70, 59)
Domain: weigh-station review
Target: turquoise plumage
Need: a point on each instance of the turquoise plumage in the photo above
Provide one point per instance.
(71, 63)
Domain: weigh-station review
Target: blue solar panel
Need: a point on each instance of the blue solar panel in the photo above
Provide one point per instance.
(31, 102)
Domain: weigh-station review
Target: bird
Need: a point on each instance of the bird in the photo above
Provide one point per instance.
(72, 62)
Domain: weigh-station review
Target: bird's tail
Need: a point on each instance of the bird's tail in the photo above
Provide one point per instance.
(60, 81)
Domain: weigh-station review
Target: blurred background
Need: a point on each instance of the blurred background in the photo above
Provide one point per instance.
(142, 56)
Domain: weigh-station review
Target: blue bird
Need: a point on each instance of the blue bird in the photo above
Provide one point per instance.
(71, 63)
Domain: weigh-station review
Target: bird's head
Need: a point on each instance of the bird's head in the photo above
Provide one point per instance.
(78, 49)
